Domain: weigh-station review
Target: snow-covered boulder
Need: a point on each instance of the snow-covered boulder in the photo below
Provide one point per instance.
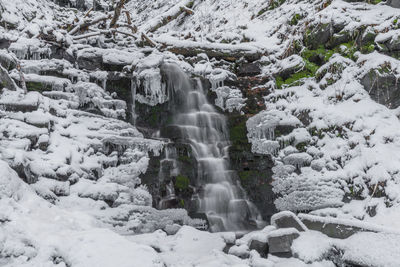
(280, 241)
(287, 219)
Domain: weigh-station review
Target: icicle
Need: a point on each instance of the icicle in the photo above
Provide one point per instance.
(133, 93)
(104, 81)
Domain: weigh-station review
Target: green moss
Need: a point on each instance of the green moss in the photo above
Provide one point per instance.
(238, 136)
(246, 175)
(295, 79)
(374, 2)
(351, 48)
(272, 5)
(311, 67)
(275, 3)
(301, 146)
(155, 116)
(182, 182)
(279, 82)
(36, 86)
(277, 133)
(185, 158)
(295, 19)
(262, 11)
(190, 4)
(317, 132)
(182, 203)
(368, 48)
(320, 54)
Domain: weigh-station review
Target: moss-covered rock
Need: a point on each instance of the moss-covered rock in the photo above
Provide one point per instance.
(182, 182)
(318, 35)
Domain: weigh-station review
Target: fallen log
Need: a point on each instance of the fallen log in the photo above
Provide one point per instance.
(156, 23)
(87, 23)
(102, 32)
(228, 52)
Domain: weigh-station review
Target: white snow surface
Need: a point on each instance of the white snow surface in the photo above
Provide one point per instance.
(81, 208)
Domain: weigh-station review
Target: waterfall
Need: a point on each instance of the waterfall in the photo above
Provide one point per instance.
(220, 196)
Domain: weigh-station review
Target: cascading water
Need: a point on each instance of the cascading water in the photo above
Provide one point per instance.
(220, 196)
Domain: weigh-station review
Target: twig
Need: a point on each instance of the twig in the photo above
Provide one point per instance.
(148, 40)
(117, 13)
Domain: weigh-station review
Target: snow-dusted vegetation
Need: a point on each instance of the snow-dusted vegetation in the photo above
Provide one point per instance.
(199, 133)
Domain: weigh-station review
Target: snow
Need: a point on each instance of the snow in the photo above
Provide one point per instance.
(189, 247)
(364, 248)
(83, 162)
(384, 252)
(305, 248)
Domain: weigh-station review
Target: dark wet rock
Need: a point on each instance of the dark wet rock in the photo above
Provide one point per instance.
(393, 3)
(261, 247)
(254, 171)
(383, 87)
(339, 38)
(227, 248)
(368, 37)
(6, 81)
(292, 65)
(335, 228)
(172, 132)
(24, 171)
(287, 219)
(7, 61)
(249, 69)
(216, 222)
(280, 241)
(90, 61)
(19, 107)
(58, 52)
(318, 35)
(4, 43)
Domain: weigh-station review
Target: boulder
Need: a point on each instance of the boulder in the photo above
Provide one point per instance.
(287, 219)
(261, 247)
(6, 81)
(336, 228)
(383, 87)
(280, 241)
(318, 35)
(7, 61)
(172, 229)
(90, 61)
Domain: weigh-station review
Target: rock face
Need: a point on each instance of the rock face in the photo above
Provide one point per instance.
(280, 241)
(384, 88)
(249, 69)
(287, 219)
